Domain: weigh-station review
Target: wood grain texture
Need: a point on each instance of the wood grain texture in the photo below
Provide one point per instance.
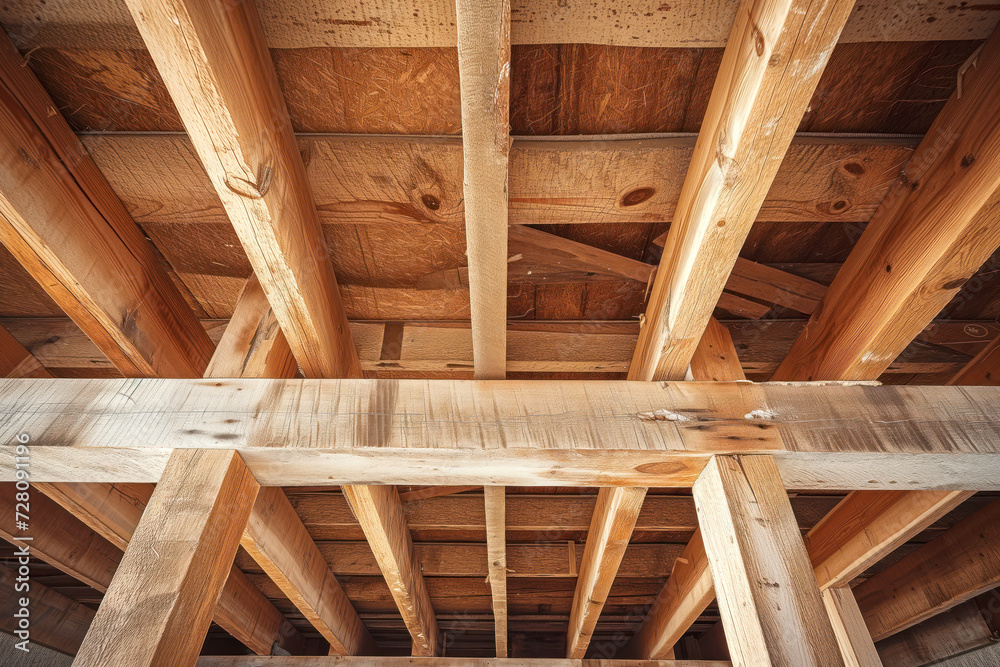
(983, 369)
(855, 642)
(380, 514)
(69, 230)
(768, 598)
(214, 61)
(516, 433)
(950, 569)
(772, 63)
(393, 24)
(56, 621)
(715, 358)
(867, 526)
(281, 545)
(955, 631)
(494, 498)
(683, 599)
(484, 67)
(160, 603)
(17, 362)
(610, 530)
(931, 233)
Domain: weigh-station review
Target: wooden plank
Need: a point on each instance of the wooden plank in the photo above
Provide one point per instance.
(516, 433)
(955, 631)
(252, 345)
(532, 346)
(390, 24)
(891, 287)
(775, 286)
(380, 514)
(484, 69)
(683, 599)
(768, 598)
(752, 115)
(867, 526)
(68, 229)
(433, 492)
(553, 180)
(494, 498)
(277, 540)
(614, 518)
(17, 362)
(160, 603)
(715, 358)
(983, 369)
(215, 63)
(54, 620)
(952, 568)
(849, 625)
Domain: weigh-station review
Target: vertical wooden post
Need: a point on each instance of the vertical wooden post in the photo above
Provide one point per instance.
(161, 600)
(496, 548)
(769, 600)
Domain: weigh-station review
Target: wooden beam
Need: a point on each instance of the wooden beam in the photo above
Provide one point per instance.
(433, 492)
(214, 61)
(855, 641)
(68, 229)
(296, 432)
(494, 498)
(54, 620)
(892, 285)
(252, 345)
(950, 569)
(867, 526)
(380, 514)
(160, 603)
(277, 540)
(610, 531)
(770, 604)
(683, 599)
(752, 115)
(955, 631)
(715, 358)
(484, 69)
(17, 362)
(983, 369)
(111, 510)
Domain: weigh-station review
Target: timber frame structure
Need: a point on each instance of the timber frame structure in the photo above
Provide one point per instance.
(499, 333)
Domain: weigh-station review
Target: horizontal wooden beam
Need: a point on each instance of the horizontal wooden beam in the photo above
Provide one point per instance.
(241, 661)
(573, 433)
(955, 631)
(553, 180)
(536, 346)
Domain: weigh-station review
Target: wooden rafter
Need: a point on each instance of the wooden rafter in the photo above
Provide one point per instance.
(380, 514)
(950, 569)
(484, 68)
(771, 65)
(160, 603)
(983, 369)
(934, 229)
(770, 604)
(214, 61)
(17, 362)
(68, 229)
(56, 621)
(610, 530)
(621, 433)
(494, 498)
(856, 645)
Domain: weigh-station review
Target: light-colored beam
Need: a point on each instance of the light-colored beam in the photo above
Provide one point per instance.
(776, 53)
(531, 433)
(855, 641)
(66, 226)
(950, 569)
(610, 530)
(770, 604)
(160, 603)
(380, 513)
(715, 359)
(932, 232)
(484, 72)
(214, 60)
(495, 500)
